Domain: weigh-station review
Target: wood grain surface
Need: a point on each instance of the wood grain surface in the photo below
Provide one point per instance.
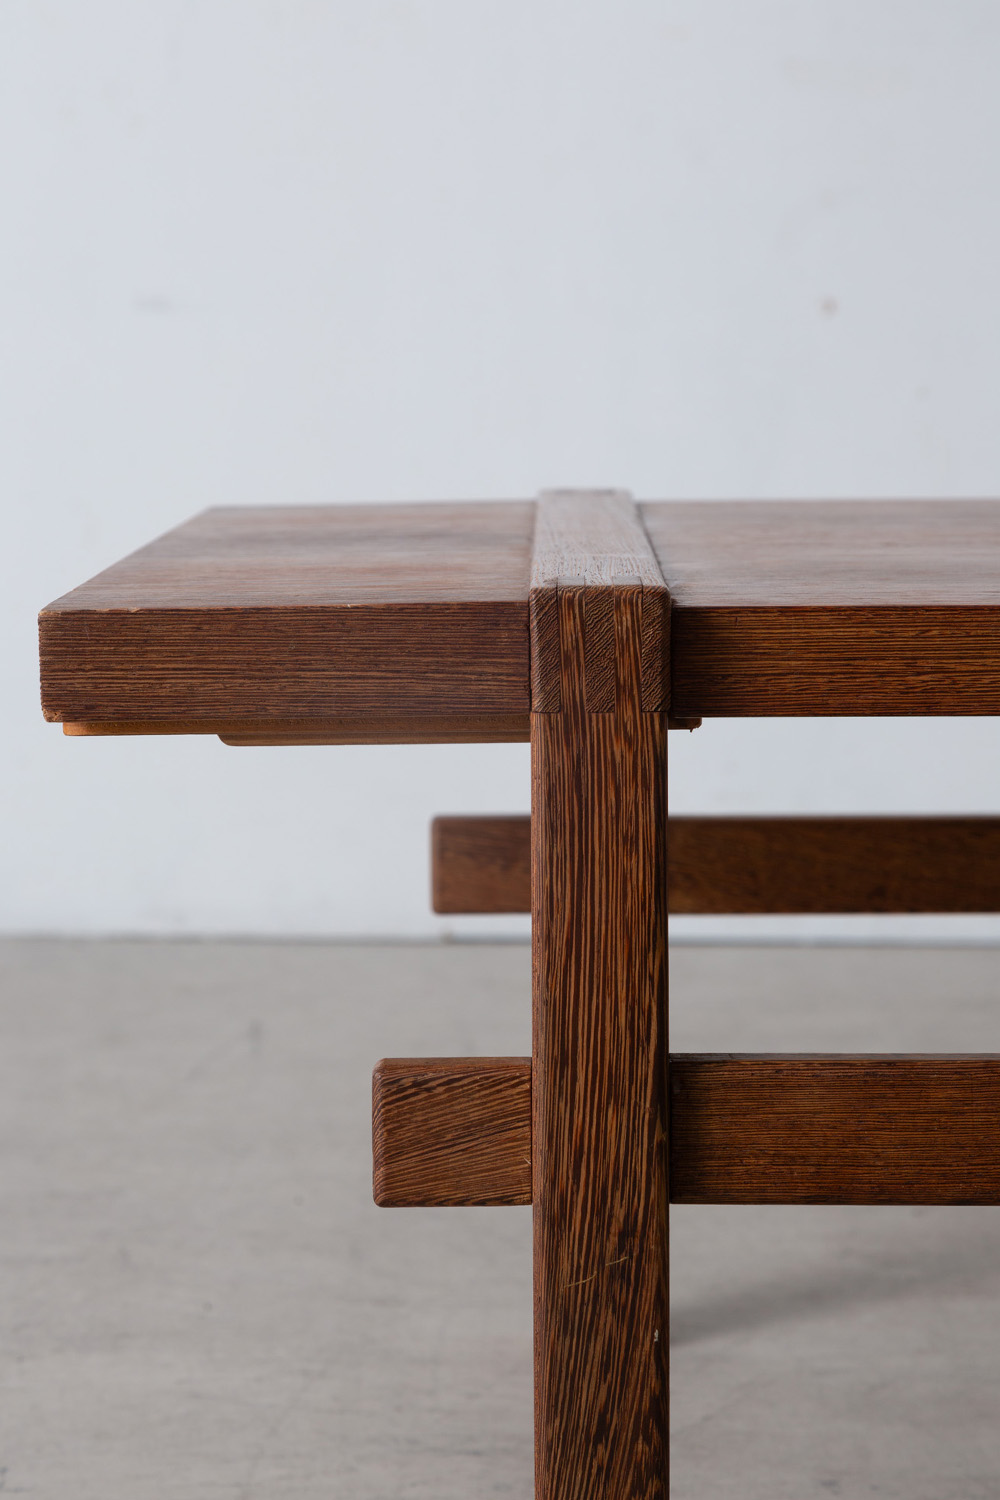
(308, 613)
(833, 864)
(594, 540)
(599, 1077)
(348, 611)
(834, 607)
(382, 729)
(827, 554)
(783, 1129)
(279, 663)
(451, 1131)
(721, 865)
(758, 663)
(481, 864)
(835, 1130)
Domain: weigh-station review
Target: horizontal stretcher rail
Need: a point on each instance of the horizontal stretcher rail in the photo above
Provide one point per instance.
(728, 866)
(450, 1131)
(743, 1129)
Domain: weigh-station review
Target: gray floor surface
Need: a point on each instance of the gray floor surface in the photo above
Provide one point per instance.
(198, 1300)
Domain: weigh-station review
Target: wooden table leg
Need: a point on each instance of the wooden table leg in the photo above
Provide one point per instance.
(599, 1074)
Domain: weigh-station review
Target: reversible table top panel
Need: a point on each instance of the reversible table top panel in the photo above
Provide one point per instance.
(272, 614)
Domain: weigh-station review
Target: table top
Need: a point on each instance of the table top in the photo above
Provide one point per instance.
(261, 622)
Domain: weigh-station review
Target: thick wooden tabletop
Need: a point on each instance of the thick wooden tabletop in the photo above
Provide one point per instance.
(262, 622)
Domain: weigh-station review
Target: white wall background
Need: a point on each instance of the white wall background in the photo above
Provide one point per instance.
(255, 251)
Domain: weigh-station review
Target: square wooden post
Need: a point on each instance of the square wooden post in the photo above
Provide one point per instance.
(599, 1069)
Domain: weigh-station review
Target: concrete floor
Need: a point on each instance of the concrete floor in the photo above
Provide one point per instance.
(198, 1298)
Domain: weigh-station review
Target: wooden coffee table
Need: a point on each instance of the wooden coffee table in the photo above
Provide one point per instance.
(592, 625)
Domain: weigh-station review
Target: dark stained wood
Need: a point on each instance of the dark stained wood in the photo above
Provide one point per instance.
(833, 864)
(379, 729)
(349, 611)
(759, 662)
(308, 613)
(451, 1131)
(835, 1129)
(279, 663)
(324, 557)
(723, 865)
(481, 864)
(828, 554)
(599, 1077)
(839, 607)
(821, 1129)
(438, 729)
(595, 540)
(429, 616)
(371, 729)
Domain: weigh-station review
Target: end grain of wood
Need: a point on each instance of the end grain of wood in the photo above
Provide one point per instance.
(452, 1131)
